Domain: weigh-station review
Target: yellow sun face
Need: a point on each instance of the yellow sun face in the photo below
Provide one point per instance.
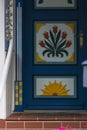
(55, 89)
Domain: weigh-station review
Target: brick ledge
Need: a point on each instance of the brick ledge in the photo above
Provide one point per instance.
(49, 116)
(33, 120)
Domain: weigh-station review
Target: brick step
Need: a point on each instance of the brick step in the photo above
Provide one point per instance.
(45, 120)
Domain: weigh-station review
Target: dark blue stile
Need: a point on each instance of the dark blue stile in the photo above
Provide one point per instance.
(29, 69)
(18, 108)
(21, 2)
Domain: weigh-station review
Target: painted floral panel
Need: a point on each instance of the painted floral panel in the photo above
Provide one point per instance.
(55, 43)
(60, 4)
(55, 86)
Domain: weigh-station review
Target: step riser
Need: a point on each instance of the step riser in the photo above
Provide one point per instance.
(54, 119)
(42, 124)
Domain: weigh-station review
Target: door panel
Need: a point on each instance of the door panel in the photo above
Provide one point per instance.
(55, 87)
(47, 4)
(52, 56)
(55, 42)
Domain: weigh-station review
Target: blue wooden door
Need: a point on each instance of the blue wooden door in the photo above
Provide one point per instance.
(54, 46)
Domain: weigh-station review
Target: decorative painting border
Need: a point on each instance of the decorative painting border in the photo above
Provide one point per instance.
(34, 3)
(75, 96)
(34, 41)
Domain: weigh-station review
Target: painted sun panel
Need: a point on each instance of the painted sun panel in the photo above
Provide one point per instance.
(60, 4)
(55, 86)
(55, 42)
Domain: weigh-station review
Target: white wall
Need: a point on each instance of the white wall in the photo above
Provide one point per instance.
(6, 102)
(10, 87)
(2, 57)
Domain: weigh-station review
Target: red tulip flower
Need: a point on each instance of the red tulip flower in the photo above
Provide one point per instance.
(55, 29)
(41, 43)
(46, 35)
(68, 44)
(64, 35)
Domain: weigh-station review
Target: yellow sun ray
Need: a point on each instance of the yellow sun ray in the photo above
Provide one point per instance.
(55, 89)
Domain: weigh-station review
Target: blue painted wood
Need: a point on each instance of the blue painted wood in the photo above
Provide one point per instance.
(29, 15)
(19, 42)
(19, 1)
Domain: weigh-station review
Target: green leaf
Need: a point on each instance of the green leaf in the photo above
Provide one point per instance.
(48, 45)
(64, 51)
(58, 36)
(59, 53)
(69, 1)
(46, 51)
(40, 1)
(51, 53)
(61, 45)
(52, 37)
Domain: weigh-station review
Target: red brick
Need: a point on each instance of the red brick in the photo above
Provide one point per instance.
(2, 124)
(52, 124)
(65, 118)
(71, 124)
(82, 118)
(14, 116)
(46, 118)
(13, 119)
(84, 124)
(33, 124)
(15, 124)
(24, 118)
